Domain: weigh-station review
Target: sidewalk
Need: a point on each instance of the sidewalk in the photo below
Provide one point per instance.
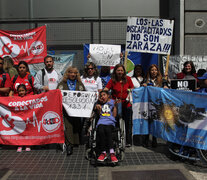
(51, 164)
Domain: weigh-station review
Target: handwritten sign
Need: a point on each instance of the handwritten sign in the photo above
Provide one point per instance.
(105, 55)
(149, 35)
(79, 103)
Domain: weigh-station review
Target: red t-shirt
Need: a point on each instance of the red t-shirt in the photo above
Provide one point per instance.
(24, 81)
(182, 75)
(119, 90)
(7, 83)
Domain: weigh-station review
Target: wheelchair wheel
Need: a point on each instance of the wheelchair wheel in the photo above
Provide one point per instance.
(203, 155)
(88, 154)
(121, 156)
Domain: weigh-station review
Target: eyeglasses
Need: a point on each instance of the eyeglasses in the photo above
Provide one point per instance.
(90, 68)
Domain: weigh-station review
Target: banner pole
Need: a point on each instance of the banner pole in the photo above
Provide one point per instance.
(167, 65)
(125, 59)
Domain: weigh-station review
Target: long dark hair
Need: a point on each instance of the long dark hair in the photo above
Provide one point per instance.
(85, 74)
(136, 67)
(193, 70)
(24, 63)
(114, 76)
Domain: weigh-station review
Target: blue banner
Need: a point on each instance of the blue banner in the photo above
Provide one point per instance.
(145, 59)
(173, 115)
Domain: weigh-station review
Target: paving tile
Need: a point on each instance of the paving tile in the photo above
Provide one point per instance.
(49, 164)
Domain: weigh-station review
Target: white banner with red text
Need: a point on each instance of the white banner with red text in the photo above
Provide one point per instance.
(32, 120)
(26, 45)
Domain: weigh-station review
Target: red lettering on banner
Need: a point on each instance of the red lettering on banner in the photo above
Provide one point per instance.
(90, 81)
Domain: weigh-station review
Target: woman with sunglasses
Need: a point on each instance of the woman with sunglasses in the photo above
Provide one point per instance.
(93, 83)
(90, 78)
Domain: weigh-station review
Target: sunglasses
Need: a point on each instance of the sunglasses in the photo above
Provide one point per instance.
(90, 68)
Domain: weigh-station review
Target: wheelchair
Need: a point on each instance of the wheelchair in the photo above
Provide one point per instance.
(186, 152)
(118, 138)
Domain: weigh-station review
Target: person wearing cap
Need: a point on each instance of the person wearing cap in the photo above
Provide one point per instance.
(203, 83)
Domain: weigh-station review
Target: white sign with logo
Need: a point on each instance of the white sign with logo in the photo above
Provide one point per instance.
(105, 55)
(79, 103)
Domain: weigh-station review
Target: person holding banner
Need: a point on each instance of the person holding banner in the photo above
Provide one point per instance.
(137, 80)
(47, 78)
(105, 75)
(72, 82)
(120, 83)
(203, 83)
(90, 78)
(153, 78)
(22, 91)
(188, 71)
(5, 82)
(93, 83)
(138, 76)
(23, 77)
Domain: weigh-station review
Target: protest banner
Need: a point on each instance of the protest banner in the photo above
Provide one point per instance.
(26, 45)
(171, 115)
(79, 103)
(183, 84)
(104, 54)
(61, 63)
(32, 120)
(176, 63)
(149, 35)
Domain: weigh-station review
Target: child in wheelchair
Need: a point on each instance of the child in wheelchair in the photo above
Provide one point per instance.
(106, 123)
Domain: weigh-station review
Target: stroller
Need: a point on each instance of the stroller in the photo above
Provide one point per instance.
(118, 137)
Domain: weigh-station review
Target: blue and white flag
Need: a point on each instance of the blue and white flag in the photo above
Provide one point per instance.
(173, 115)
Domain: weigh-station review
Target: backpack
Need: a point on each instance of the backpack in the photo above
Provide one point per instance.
(4, 79)
(43, 74)
(29, 79)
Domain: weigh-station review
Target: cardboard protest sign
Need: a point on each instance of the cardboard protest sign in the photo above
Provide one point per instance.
(79, 103)
(105, 55)
(149, 35)
(27, 45)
